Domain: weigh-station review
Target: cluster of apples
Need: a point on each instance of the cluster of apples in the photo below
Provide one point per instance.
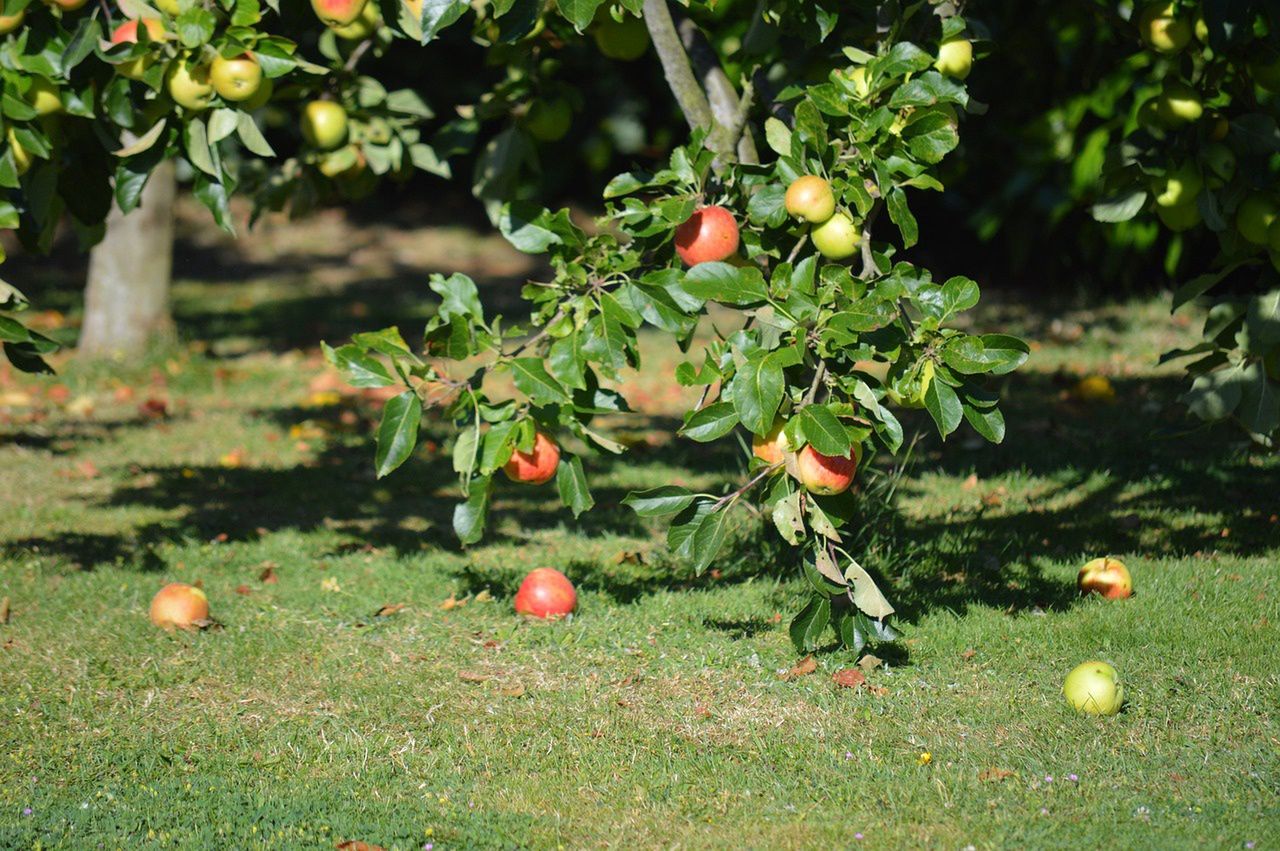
(10, 23)
(824, 475)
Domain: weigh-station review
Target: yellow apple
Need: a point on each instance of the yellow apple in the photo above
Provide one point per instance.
(1161, 30)
(810, 198)
(837, 238)
(236, 79)
(189, 85)
(324, 124)
(955, 58)
(1094, 688)
(43, 96)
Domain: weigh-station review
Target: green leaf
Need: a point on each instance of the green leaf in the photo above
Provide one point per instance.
(757, 391)
(710, 423)
(398, 433)
(866, 594)
(251, 136)
(469, 516)
(1263, 318)
(658, 502)
(533, 380)
(145, 141)
(196, 143)
(768, 206)
(778, 135)
(900, 213)
(958, 294)
(806, 629)
(944, 406)
(571, 481)
(987, 422)
(726, 284)
(460, 297)
(361, 368)
(466, 449)
(789, 518)
(580, 13)
(708, 539)
(824, 432)
(388, 341)
(685, 524)
(1120, 207)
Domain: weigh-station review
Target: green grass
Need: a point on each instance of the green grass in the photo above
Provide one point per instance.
(656, 716)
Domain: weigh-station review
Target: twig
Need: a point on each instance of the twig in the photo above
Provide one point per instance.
(868, 256)
(361, 49)
(818, 374)
(759, 477)
(799, 244)
(106, 10)
(536, 338)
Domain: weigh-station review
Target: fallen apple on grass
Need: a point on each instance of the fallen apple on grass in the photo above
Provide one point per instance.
(1106, 576)
(546, 593)
(1094, 688)
(179, 606)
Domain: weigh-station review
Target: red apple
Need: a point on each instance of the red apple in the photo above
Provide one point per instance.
(127, 33)
(536, 466)
(708, 235)
(1106, 576)
(826, 475)
(770, 447)
(546, 593)
(810, 198)
(337, 13)
(179, 606)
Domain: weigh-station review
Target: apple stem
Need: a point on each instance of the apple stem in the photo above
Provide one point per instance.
(106, 11)
(759, 477)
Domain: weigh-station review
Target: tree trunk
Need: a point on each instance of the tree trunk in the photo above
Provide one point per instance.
(126, 305)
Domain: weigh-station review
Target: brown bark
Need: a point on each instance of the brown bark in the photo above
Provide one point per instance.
(127, 294)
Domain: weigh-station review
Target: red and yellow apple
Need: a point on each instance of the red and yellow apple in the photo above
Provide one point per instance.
(179, 606)
(337, 13)
(127, 33)
(363, 26)
(9, 23)
(324, 124)
(189, 85)
(237, 79)
(810, 198)
(536, 466)
(1106, 576)
(546, 593)
(826, 475)
(772, 446)
(710, 234)
(1094, 688)
(43, 97)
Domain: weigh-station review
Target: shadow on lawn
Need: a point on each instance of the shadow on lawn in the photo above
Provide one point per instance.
(1110, 483)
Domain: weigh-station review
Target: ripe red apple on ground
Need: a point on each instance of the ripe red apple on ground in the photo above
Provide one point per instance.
(826, 475)
(710, 234)
(179, 606)
(1094, 688)
(546, 593)
(536, 466)
(1106, 576)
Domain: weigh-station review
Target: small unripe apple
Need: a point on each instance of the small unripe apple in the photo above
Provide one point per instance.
(1254, 217)
(127, 33)
(189, 85)
(837, 238)
(548, 120)
(546, 593)
(1094, 688)
(826, 475)
(1179, 104)
(1202, 29)
(343, 163)
(324, 124)
(9, 23)
(536, 466)
(770, 447)
(810, 198)
(22, 158)
(861, 81)
(625, 41)
(1106, 576)
(337, 13)
(1180, 217)
(43, 97)
(1177, 186)
(362, 27)
(710, 234)
(1161, 30)
(179, 606)
(955, 58)
(1219, 165)
(169, 7)
(237, 79)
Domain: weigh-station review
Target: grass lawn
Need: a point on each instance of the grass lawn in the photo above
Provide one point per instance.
(656, 715)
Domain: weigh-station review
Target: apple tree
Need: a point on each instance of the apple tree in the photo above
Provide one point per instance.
(768, 246)
(1200, 152)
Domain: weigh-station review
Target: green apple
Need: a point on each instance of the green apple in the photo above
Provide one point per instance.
(810, 198)
(1094, 688)
(189, 85)
(955, 58)
(1179, 104)
(1180, 217)
(324, 124)
(1266, 72)
(549, 120)
(1255, 216)
(625, 40)
(1219, 165)
(837, 238)
(260, 97)
(1161, 30)
(236, 79)
(1178, 186)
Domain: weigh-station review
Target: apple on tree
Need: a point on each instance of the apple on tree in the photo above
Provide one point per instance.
(771, 447)
(43, 97)
(1179, 104)
(810, 198)
(237, 79)
(549, 119)
(955, 58)
(1162, 30)
(538, 465)
(1107, 577)
(324, 124)
(837, 238)
(826, 475)
(10, 23)
(127, 33)
(179, 606)
(1254, 217)
(337, 13)
(546, 593)
(625, 40)
(189, 85)
(365, 25)
(709, 235)
(1094, 688)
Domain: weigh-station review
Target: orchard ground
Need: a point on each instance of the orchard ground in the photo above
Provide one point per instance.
(656, 716)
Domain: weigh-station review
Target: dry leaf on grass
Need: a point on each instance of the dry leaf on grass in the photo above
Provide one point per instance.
(805, 666)
(357, 845)
(869, 663)
(848, 678)
(4, 610)
(244, 590)
(513, 690)
(968, 654)
(268, 574)
(997, 774)
(474, 676)
(452, 603)
(388, 610)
